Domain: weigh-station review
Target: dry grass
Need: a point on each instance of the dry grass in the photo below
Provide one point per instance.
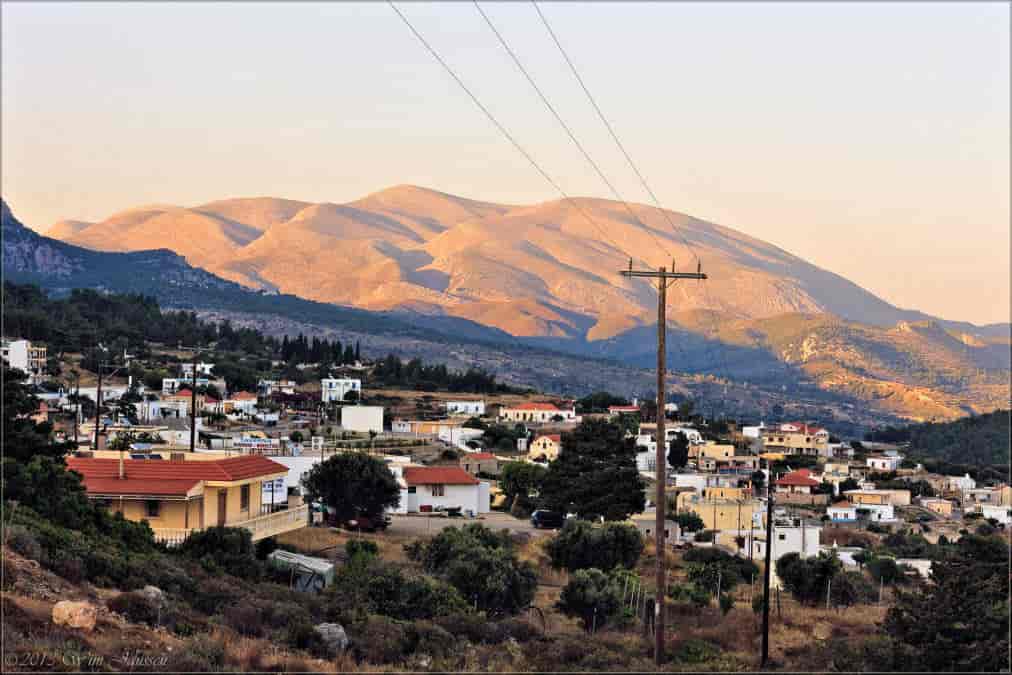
(311, 540)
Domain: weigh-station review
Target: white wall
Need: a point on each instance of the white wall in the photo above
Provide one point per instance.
(362, 418)
(465, 407)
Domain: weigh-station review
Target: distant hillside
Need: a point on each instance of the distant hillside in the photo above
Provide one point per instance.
(976, 440)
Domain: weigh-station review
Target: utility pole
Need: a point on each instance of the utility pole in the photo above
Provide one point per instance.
(766, 572)
(98, 404)
(193, 404)
(77, 407)
(664, 279)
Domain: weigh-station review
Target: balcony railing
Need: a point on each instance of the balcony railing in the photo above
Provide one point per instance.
(260, 527)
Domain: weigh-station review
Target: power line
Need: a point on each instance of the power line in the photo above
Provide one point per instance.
(502, 129)
(607, 124)
(566, 128)
(625, 153)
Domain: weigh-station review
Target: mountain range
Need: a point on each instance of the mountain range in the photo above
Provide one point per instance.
(546, 276)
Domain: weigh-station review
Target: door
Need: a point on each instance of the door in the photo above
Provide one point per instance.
(222, 503)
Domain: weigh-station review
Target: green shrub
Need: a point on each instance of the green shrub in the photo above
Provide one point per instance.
(429, 638)
(361, 547)
(135, 607)
(265, 547)
(224, 549)
(580, 545)
(24, 542)
(696, 651)
(592, 596)
(215, 593)
(705, 536)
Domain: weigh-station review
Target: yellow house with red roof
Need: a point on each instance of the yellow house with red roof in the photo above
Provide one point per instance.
(178, 496)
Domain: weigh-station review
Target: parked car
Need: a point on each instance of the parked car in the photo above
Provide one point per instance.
(547, 519)
(363, 524)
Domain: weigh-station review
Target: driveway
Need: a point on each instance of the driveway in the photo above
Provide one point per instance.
(415, 526)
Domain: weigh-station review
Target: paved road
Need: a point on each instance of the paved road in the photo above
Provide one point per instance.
(420, 525)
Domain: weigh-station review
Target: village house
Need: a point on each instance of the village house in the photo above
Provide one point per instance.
(334, 390)
(546, 447)
(720, 514)
(538, 413)
(796, 438)
(942, 507)
(271, 387)
(842, 512)
(646, 524)
(479, 462)
(427, 488)
(241, 402)
(790, 535)
(619, 410)
(726, 493)
(874, 497)
(203, 369)
(181, 496)
(182, 400)
(797, 482)
(883, 463)
(465, 408)
(997, 512)
(26, 356)
(961, 483)
(424, 427)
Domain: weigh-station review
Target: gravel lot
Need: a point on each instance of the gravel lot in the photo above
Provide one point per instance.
(414, 526)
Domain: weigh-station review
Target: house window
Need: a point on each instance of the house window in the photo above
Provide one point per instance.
(244, 498)
(152, 508)
(782, 537)
(412, 490)
(438, 491)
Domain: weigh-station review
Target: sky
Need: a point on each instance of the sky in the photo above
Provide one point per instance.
(871, 139)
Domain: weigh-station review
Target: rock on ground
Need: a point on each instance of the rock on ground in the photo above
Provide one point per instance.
(75, 614)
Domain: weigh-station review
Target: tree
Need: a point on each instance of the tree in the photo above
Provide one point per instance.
(520, 479)
(592, 596)
(354, 485)
(678, 451)
(808, 579)
(580, 545)
(295, 436)
(482, 565)
(758, 481)
(595, 475)
(23, 438)
(959, 622)
(689, 521)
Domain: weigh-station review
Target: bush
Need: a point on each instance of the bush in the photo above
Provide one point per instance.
(807, 579)
(592, 596)
(689, 521)
(135, 607)
(215, 593)
(705, 536)
(224, 549)
(355, 547)
(696, 651)
(429, 638)
(23, 541)
(580, 545)
(380, 640)
(726, 603)
(244, 618)
(851, 588)
(265, 547)
(707, 562)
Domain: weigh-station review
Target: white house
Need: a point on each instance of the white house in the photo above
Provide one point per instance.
(459, 436)
(469, 408)
(996, 511)
(753, 431)
(877, 513)
(791, 535)
(26, 357)
(884, 463)
(842, 512)
(429, 487)
(334, 389)
(962, 483)
(362, 418)
(202, 369)
(921, 565)
(538, 413)
(268, 387)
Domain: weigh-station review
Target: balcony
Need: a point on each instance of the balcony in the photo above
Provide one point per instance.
(260, 527)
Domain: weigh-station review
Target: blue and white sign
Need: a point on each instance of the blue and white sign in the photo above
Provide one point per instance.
(280, 491)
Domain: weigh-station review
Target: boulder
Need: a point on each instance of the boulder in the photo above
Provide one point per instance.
(333, 636)
(154, 595)
(75, 614)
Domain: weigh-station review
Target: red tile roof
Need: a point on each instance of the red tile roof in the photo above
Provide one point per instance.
(552, 437)
(536, 406)
(169, 477)
(478, 455)
(438, 475)
(243, 396)
(842, 504)
(800, 478)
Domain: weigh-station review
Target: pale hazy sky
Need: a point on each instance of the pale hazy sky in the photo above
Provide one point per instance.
(869, 138)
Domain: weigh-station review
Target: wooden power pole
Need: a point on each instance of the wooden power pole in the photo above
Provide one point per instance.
(664, 279)
(193, 404)
(767, 569)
